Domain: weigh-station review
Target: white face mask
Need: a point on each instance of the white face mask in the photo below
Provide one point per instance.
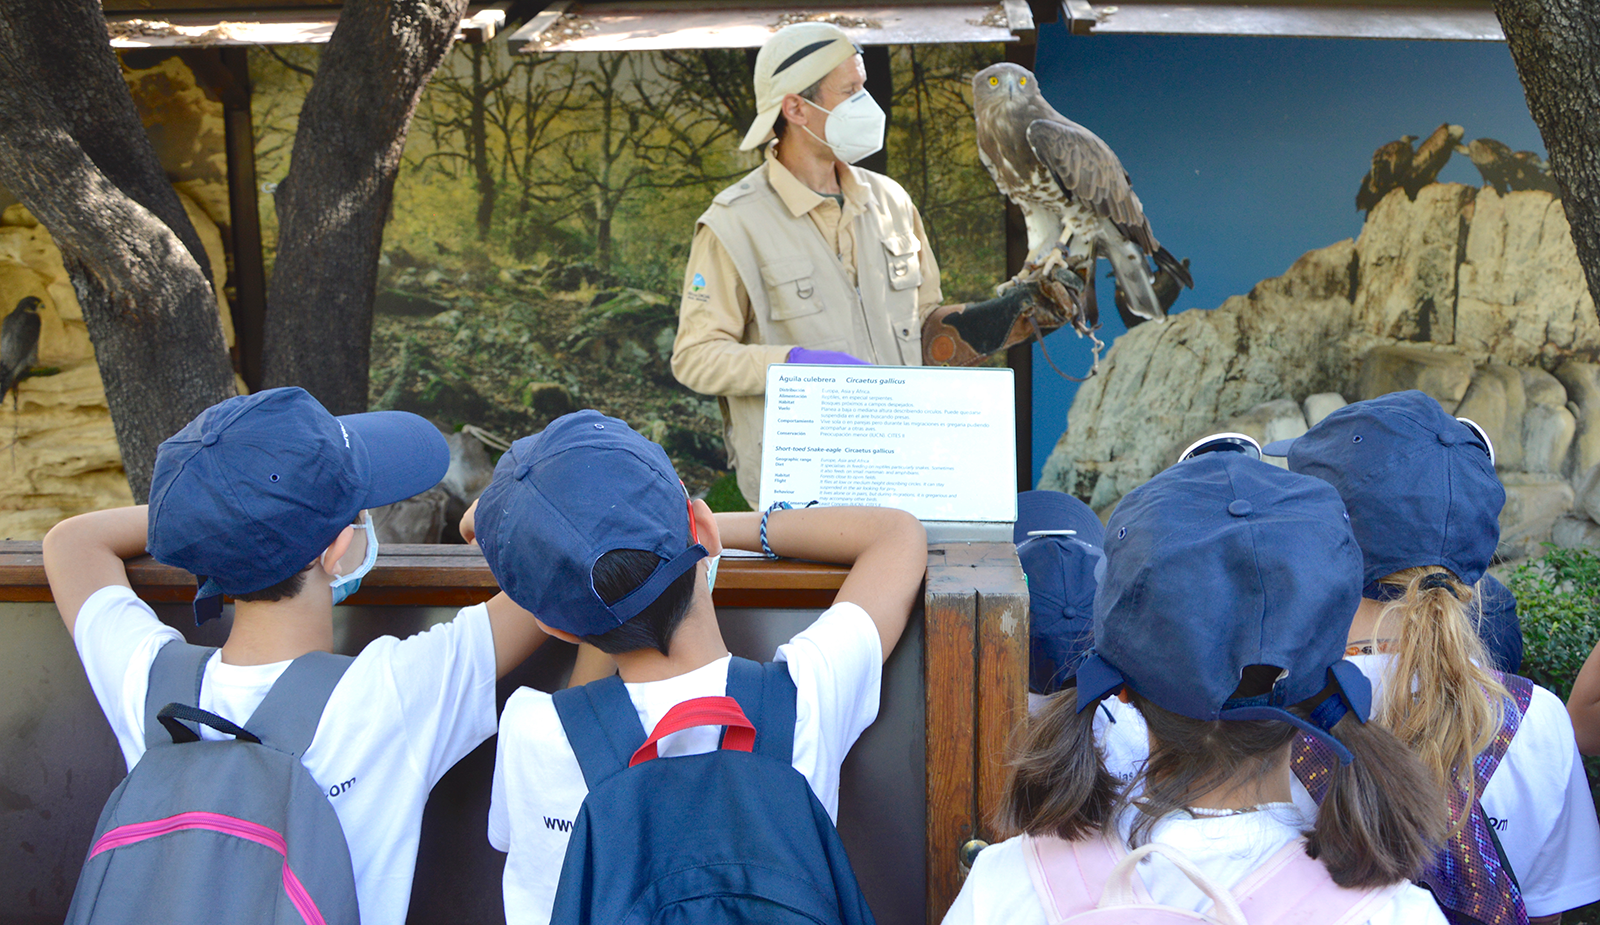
(711, 571)
(854, 127)
(345, 585)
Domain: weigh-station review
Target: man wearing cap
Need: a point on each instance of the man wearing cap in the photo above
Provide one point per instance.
(808, 259)
(267, 497)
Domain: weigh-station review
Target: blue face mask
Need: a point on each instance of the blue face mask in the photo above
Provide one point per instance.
(345, 585)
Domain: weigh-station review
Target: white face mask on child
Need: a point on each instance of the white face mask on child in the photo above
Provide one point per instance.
(711, 571)
(345, 585)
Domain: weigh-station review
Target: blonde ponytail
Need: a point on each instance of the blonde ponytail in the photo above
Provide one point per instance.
(1441, 699)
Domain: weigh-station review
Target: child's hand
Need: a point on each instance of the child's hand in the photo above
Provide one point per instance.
(467, 531)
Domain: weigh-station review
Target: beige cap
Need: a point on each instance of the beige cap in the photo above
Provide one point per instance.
(797, 56)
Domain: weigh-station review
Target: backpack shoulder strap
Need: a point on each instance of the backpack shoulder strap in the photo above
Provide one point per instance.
(1291, 886)
(602, 726)
(288, 715)
(1521, 690)
(766, 694)
(1069, 877)
(175, 677)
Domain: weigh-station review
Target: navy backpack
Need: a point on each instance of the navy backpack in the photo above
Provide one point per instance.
(733, 835)
(230, 832)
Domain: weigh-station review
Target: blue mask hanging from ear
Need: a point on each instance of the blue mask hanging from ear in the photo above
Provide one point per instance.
(345, 585)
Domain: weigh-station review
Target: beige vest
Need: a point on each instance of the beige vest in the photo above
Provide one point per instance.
(801, 294)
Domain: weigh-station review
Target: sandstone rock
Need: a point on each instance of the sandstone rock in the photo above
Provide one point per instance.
(1496, 402)
(1408, 252)
(1533, 504)
(1546, 436)
(1582, 381)
(1541, 388)
(1588, 494)
(1321, 405)
(1574, 532)
(1474, 337)
(1522, 294)
(1395, 368)
(1162, 383)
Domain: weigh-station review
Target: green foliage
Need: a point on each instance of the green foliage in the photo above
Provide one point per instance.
(724, 495)
(1558, 602)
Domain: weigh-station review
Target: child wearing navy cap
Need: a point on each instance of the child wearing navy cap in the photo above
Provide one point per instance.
(1219, 619)
(1424, 502)
(266, 498)
(587, 526)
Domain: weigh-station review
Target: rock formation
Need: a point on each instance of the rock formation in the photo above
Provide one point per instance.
(1473, 297)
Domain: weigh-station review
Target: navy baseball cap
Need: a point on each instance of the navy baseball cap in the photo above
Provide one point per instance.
(257, 486)
(584, 486)
(1222, 562)
(1061, 567)
(1419, 484)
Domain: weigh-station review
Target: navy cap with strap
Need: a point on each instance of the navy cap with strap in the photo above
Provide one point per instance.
(1220, 563)
(584, 486)
(1419, 484)
(256, 487)
(1061, 564)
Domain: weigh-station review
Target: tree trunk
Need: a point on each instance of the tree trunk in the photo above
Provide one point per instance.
(73, 151)
(333, 203)
(1554, 44)
(478, 140)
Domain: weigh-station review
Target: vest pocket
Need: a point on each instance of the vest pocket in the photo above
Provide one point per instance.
(905, 269)
(791, 291)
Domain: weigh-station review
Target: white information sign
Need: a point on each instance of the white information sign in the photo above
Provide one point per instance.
(939, 442)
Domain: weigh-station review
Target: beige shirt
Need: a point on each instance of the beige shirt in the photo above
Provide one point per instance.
(726, 340)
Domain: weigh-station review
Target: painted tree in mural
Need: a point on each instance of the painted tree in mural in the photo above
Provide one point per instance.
(334, 201)
(1555, 43)
(73, 151)
(496, 116)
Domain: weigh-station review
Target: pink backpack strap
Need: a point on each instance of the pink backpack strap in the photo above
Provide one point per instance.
(1069, 877)
(1293, 887)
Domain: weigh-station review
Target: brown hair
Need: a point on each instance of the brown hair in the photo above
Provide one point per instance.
(1380, 823)
(1451, 708)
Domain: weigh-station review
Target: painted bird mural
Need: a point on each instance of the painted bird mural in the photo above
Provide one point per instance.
(1076, 199)
(19, 344)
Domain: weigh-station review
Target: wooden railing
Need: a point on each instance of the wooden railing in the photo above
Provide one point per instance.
(975, 664)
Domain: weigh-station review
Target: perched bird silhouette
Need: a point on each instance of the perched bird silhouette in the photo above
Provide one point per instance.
(19, 345)
(1431, 156)
(1391, 164)
(1075, 197)
(1167, 289)
(1495, 162)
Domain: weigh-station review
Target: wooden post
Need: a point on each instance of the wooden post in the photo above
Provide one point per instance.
(976, 640)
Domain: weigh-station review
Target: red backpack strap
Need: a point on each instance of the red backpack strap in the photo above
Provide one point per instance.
(701, 711)
(1069, 877)
(1291, 886)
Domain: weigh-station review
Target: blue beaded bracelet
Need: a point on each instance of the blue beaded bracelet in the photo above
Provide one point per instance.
(766, 550)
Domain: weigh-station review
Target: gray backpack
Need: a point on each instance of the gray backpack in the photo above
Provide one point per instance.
(222, 832)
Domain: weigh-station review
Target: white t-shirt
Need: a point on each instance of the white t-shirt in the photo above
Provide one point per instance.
(836, 664)
(1553, 843)
(1225, 848)
(402, 715)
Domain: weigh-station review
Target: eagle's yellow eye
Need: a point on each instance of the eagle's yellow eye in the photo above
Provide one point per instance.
(1022, 81)
(994, 81)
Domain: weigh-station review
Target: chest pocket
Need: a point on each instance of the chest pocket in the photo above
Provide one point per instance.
(904, 268)
(791, 288)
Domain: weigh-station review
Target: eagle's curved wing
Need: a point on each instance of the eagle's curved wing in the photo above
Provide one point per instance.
(1089, 172)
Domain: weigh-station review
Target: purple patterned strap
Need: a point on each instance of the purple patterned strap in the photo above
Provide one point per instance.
(1468, 878)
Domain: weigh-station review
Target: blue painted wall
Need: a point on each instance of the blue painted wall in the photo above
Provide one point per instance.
(1247, 151)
